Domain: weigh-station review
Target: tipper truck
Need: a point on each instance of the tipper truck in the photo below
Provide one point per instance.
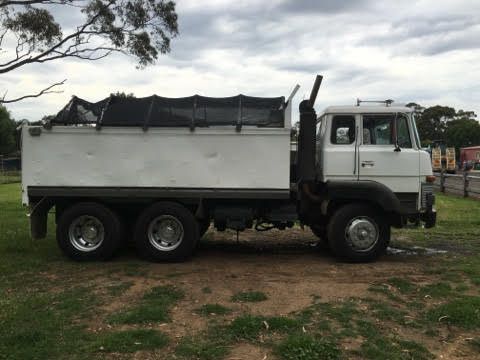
(159, 171)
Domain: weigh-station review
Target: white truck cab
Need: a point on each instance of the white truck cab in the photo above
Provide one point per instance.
(374, 143)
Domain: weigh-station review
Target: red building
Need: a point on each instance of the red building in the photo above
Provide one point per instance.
(470, 155)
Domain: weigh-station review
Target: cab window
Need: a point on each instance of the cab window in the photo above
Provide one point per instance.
(404, 140)
(378, 130)
(343, 130)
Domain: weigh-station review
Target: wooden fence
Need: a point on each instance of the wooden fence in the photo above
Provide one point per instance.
(465, 185)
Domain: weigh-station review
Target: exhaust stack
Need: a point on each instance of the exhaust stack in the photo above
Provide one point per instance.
(307, 137)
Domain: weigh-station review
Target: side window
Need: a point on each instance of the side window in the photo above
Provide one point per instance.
(377, 129)
(343, 130)
(404, 140)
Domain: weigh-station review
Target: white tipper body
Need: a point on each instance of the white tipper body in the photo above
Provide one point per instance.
(209, 158)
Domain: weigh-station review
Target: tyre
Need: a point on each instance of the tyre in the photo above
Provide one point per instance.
(358, 233)
(166, 231)
(89, 231)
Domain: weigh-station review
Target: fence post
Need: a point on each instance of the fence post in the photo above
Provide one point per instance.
(442, 180)
(465, 184)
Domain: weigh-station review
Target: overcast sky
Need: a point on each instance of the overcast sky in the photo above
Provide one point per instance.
(427, 51)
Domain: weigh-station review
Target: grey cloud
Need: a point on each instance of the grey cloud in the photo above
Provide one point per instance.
(322, 6)
(296, 39)
(429, 36)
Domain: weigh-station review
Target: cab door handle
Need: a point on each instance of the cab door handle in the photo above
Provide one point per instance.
(368, 163)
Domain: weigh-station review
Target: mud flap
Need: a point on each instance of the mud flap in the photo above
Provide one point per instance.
(39, 217)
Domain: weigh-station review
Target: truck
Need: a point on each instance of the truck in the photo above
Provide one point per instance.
(443, 157)
(159, 171)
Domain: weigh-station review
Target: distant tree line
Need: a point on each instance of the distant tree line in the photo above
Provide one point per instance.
(7, 132)
(456, 128)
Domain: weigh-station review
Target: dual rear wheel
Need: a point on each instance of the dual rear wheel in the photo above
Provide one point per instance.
(165, 231)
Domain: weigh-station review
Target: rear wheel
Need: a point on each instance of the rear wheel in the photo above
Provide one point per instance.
(358, 233)
(166, 231)
(89, 231)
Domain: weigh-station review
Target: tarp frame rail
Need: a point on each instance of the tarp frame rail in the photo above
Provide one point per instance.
(98, 126)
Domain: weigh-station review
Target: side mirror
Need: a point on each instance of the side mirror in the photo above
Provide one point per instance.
(395, 133)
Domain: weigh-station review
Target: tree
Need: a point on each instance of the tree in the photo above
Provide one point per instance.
(433, 122)
(123, 95)
(463, 131)
(7, 132)
(416, 107)
(31, 34)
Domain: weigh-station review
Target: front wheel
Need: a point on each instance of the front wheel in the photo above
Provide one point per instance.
(166, 231)
(358, 233)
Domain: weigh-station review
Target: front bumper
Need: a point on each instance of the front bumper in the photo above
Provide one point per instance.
(429, 217)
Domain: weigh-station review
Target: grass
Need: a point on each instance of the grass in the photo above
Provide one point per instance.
(249, 296)
(249, 327)
(129, 341)
(379, 348)
(386, 312)
(10, 177)
(202, 348)
(154, 307)
(463, 312)
(304, 347)
(53, 308)
(42, 325)
(213, 309)
(119, 289)
(404, 286)
(437, 290)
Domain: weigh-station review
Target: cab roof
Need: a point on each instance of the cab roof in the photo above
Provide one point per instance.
(375, 109)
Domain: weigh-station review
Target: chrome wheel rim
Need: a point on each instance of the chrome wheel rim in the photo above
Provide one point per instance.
(86, 233)
(165, 233)
(362, 234)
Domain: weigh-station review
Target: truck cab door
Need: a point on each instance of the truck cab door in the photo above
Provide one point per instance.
(381, 160)
(339, 155)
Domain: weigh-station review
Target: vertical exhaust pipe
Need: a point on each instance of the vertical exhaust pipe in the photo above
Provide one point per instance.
(307, 137)
(316, 87)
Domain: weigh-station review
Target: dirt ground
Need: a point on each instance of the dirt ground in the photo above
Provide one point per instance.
(291, 267)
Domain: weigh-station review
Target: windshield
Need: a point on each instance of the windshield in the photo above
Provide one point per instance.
(415, 130)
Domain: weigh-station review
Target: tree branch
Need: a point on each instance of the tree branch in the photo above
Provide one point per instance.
(4, 3)
(47, 90)
(38, 58)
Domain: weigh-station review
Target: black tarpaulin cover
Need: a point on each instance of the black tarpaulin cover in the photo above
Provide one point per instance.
(193, 111)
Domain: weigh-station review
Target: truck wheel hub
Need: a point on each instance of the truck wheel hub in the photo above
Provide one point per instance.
(362, 233)
(165, 233)
(86, 233)
(90, 232)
